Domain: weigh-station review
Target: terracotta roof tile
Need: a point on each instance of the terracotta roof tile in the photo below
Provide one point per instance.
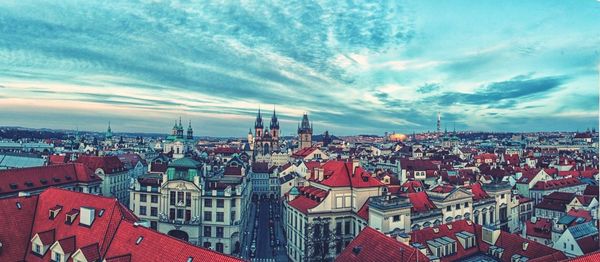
(372, 245)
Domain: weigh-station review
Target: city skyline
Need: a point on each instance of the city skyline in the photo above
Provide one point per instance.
(355, 68)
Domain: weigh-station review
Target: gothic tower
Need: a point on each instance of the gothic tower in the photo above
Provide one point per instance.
(180, 130)
(305, 132)
(190, 132)
(274, 126)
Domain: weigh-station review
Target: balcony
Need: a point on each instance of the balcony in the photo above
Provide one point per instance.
(497, 186)
(180, 221)
(389, 203)
(426, 215)
(163, 218)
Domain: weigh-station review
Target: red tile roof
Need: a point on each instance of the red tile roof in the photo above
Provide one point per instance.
(558, 183)
(57, 159)
(226, 150)
(478, 192)
(15, 226)
(411, 186)
(304, 152)
(90, 252)
(372, 245)
(303, 204)
(542, 228)
(109, 164)
(511, 243)
(47, 237)
(581, 213)
(588, 244)
(233, 171)
(443, 189)
(591, 257)
(104, 225)
(143, 244)
(108, 234)
(420, 202)
(363, 212)
(36, 178)
(260, 167)
(341, 174)
(67, 244)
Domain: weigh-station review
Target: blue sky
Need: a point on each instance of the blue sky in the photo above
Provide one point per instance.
(354, 67)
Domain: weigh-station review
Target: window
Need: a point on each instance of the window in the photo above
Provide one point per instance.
(572, 247)
(179, 197)
(57, 257)
(142, 210)
(396, 218)
(220, 247)
(207, 202)
(457, 206)
(220, 203)
(38, 249)
(154, 198)
(143, 197)
(347, 227)
(220, 217)
(153, 211)
(219, 231)
(188, 199)
(172, 198)
(338, 228)
(180, 213)
(233, 203)
(448, 208)
(466, 204)
(502, 196)
(207, 231)
(565, 245)
(207, 216)
(172, 214)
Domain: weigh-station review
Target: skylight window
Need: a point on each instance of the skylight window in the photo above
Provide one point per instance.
(139, 240)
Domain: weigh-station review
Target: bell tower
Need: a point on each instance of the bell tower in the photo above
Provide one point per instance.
(305, 131)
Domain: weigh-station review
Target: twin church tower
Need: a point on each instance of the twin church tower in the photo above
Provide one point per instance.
(267, 139)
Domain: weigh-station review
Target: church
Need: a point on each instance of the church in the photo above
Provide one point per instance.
(177, 143)
(265, 140)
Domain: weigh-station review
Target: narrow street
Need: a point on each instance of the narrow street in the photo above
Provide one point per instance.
(268, 235)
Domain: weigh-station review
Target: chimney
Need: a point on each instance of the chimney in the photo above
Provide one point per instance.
(319, 172)
(355, 164)
(525, 244)
(403, 238)
(490, 234)
(87, 216)
(356, 250)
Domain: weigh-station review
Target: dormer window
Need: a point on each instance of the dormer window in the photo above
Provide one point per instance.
(56, 179)
(68, 178)
(37, 249)
(29, 184)
(70, 218)
(14, 186)
(43, 181)
(54, 211)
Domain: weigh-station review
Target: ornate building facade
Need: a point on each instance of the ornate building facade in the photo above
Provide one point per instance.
(178, 143)
(265, 140)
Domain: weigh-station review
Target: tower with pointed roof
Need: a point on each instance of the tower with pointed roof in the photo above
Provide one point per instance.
(266, 138)
(305, 131)
(109, 134)
(190, 132)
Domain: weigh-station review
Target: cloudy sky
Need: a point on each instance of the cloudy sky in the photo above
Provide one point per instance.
(354, 67)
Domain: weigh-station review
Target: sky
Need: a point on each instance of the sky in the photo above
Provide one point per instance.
(354, 67)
